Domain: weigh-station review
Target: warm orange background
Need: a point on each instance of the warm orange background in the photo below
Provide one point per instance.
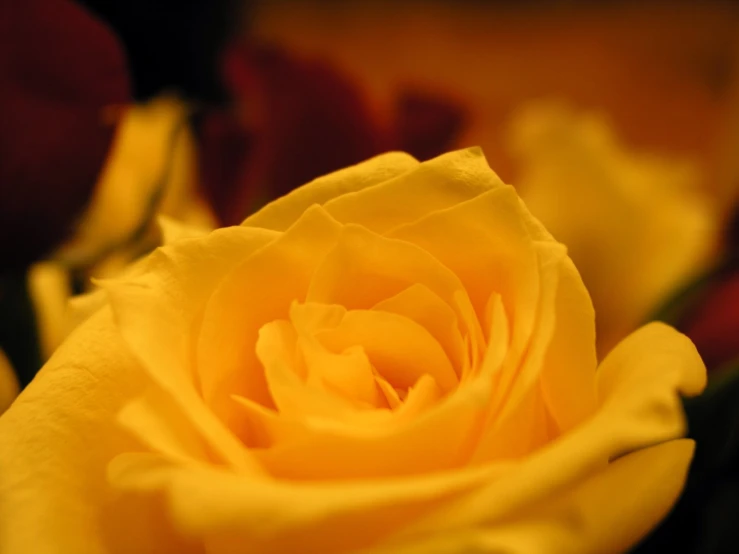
(666, 72)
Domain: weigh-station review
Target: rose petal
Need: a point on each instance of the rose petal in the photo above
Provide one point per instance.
(420, 304)
(8, 383)
(158, 312)
(483, 241)
(232, 513)
(284, 211)
(607, 512)
(258, 290)
(58, 465)
(364, 268)
(431, 186)
(399, 348)
(640, 383)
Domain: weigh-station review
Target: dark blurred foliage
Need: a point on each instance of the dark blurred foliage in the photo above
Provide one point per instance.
(174, 44)
(704, 520)
(59, 70)
(18, 333)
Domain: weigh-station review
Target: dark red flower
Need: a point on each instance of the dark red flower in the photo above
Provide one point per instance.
(59, 69)
(713, 320)
(297, 119)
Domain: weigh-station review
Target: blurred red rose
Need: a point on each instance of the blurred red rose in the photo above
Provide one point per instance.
(712, 321)
(296, 119)
(59, 69)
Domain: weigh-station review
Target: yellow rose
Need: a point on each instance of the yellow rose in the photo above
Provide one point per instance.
(150, 171)
(637, 226)
(393, 358)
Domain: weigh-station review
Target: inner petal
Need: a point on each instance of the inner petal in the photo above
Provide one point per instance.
(364, 269)
(487, 245)
(348, 372)
(276, 350)
(400, 349)
(418, 303)
(258, 291)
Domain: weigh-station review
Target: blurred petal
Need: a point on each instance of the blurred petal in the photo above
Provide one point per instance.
(635, 224)
(426, 125)
(50, 289)
(304, 120)
(8, 383)
(150, 171)
(297, 119)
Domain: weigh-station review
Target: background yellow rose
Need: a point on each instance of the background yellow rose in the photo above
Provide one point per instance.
(638, 226)
(396, 357)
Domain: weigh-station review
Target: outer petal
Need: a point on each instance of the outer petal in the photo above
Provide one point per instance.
(639, 385)
(57, 440)
(550, 502)
(283, 212)
(158, 313)
(606, 513)
(256, 292)
(434, 185)
(234, 514)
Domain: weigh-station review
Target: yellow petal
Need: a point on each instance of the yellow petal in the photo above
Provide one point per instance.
(636, 225)
(418, 303)
(640, 384)
(156, 420)
(152, 156)
(431, 186)
(259, 290)
(486, 244)
(50, 290)
(654, 358)
(158, 312)
(232, 513)
(8, 383)
(174, 230)
(607, 512)
(283, 212)
(365, 268)
(345, 370)
(568, 377)
(57, 439)
(440, 437)
(291, 394)
(399, 348)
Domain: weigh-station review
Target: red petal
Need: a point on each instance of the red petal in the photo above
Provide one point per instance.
(427, 125)
(714, 324)
(305, 120)
(59, 67)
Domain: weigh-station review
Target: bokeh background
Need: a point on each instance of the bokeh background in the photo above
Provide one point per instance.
(618, 123)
